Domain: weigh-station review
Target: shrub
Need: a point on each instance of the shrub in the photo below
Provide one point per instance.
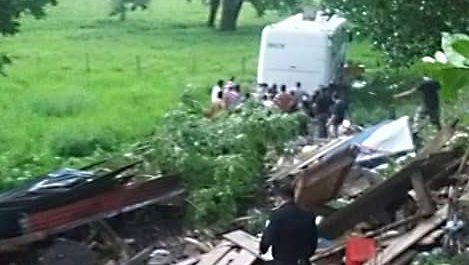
(81, 141)
(66, 103)
(221, 159)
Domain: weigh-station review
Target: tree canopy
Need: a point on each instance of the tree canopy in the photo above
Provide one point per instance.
(404, 29)
(11, 11)
(230, 9)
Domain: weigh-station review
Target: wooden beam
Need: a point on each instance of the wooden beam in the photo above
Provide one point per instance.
(424, 199)
(390, 192)
(216, 254)
(404, 242)
(244, 257)
(246, 241)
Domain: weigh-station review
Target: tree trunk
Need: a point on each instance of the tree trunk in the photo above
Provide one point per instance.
(123, 15)
(230, 13)
(214, 5)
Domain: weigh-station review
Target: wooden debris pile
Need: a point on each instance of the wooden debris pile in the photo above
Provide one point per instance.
(411, 210)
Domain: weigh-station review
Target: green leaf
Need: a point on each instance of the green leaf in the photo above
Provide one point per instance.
(455, 47)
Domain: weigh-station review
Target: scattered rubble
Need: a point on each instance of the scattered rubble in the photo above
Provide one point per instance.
(422, 203)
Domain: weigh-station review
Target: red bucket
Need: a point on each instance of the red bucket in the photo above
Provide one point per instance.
(358, 250)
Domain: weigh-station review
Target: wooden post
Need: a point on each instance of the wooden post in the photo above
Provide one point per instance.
(38, 62)
(138, 65)
(193, 64)
(87, 63)
(424, 198)
(243, 65)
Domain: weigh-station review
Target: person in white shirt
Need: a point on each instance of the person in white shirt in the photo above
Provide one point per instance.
(215, 90)
(267, 101)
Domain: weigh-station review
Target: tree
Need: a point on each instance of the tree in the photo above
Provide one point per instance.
(232, 8)
(450, 66)
(404, 29)
(120, 7)
(11, 11)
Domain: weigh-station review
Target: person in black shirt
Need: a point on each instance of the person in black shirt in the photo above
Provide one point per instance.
(338, 113)
(323, 103)
(291, 232)
(429, 104)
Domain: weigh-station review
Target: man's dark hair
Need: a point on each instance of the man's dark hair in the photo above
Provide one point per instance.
(285, 191)
(220, 83)
(298, 84)
(220, 94)
(237, 88)
(335, 95)
(265, 97)
(283, 88)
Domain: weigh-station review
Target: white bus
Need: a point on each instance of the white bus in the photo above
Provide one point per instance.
(297, 49)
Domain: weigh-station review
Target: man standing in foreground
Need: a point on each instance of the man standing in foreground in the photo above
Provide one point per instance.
(291, 232)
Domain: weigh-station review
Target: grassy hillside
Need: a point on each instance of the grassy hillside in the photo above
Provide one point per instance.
(81, 79)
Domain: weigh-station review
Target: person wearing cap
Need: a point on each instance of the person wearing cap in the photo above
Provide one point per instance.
(290, 231)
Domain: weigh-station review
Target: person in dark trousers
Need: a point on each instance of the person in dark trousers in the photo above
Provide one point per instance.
(429, 104)
(291, 232)
(323, 105)
(338, 114)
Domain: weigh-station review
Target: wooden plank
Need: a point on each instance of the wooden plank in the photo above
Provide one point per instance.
(189, 261)
(244, 257)
(390, 192)
(404, 242)
(216, 254)
(424, 199)
(322, 181)
(442, 137)
(248, 242)
(229, 257)
(298, 167)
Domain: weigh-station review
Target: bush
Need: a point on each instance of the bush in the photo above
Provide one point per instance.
(81, 141)
(221, 159)
(67, 103)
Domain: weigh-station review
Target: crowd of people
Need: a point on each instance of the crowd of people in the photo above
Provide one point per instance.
(326, 105)
(226, 95)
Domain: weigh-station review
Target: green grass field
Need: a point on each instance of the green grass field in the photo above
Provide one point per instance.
(84, 84)
(81, 79)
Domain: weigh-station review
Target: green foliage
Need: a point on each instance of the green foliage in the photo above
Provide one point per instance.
(54, 111)
(431, 259)
(379, 88)
(451, 67)
(283, 6)
(4, 60)
(220, 158)
(81, 141)
(404, 30)
(11, 10)
(62, 104)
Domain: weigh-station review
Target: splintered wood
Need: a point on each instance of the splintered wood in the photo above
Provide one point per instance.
(238, 248)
